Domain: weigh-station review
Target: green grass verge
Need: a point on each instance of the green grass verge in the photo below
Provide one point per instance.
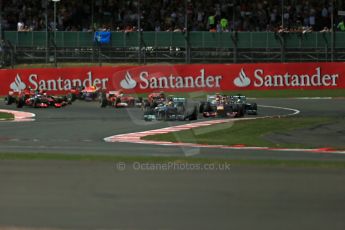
(327, 164)
(247, 132)
(6, 116)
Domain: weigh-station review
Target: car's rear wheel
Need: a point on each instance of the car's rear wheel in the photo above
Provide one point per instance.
(103, 102)
(194, 115)
(20, 102)
(8, 100)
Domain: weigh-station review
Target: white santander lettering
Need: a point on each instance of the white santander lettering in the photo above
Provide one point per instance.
(60, 83)
(179, 82)
(294, 80)
(143, 77)
(33, 81)
(257, 75)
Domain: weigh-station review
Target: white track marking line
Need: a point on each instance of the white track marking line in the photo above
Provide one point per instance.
(295, 111)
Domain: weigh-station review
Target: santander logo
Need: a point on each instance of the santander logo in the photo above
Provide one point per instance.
(242, 80)
(128, 82)
(17, 85)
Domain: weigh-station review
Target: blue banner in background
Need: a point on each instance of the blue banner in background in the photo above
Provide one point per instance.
(103, 37)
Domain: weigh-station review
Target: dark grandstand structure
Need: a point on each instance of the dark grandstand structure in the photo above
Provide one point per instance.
(179, 31)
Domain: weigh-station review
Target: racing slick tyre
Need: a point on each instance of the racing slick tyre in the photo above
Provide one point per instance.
(66, 99)
(131, 103)
(147, 110)
(255, 108)
(240, 110)
(194, 115)
(8, 100)
(20, 103)
(72, 96)
(207, 107)
(202, 107)
(180, 109)
(145, 104)
(103, 102)
(35, 102)
(243, 110)
(116, 102)
(153, 104)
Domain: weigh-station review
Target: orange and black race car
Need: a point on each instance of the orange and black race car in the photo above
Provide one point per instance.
(227, 106)
(221, 106)
(89, 93)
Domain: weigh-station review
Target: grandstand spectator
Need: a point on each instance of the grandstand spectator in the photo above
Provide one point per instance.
(20, 26)
(224, 24)
(211, 22)
(163, 15)
(341, 26)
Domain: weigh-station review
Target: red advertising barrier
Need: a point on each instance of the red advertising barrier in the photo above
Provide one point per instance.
(179, 78)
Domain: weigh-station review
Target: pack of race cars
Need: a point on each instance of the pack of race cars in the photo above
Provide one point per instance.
(227, 106)
(36, 99)
(157, 106)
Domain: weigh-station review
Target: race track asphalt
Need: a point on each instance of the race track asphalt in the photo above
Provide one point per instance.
(37, 195)
(81, 127)
(73, 195)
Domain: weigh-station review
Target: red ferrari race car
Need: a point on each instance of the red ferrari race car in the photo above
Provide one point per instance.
(154, 99)
(36, 99)
(13, 96)
(118, 99)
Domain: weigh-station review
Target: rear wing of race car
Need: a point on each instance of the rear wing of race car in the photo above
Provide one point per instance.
(239, 98)
(211, 98)
(179, 99)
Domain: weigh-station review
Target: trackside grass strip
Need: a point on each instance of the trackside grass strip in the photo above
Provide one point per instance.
(326, 164)
(247, 132)
(6, 116)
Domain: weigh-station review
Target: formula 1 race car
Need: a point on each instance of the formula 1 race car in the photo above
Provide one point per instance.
(221, 106)
(250, 108)
(173, 109)
(153, 100)
(89, 93)
(118, 99)
(13, 97)
(227, 106)
(36, 99)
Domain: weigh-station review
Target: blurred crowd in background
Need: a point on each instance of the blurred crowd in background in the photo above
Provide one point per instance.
(170, 15)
